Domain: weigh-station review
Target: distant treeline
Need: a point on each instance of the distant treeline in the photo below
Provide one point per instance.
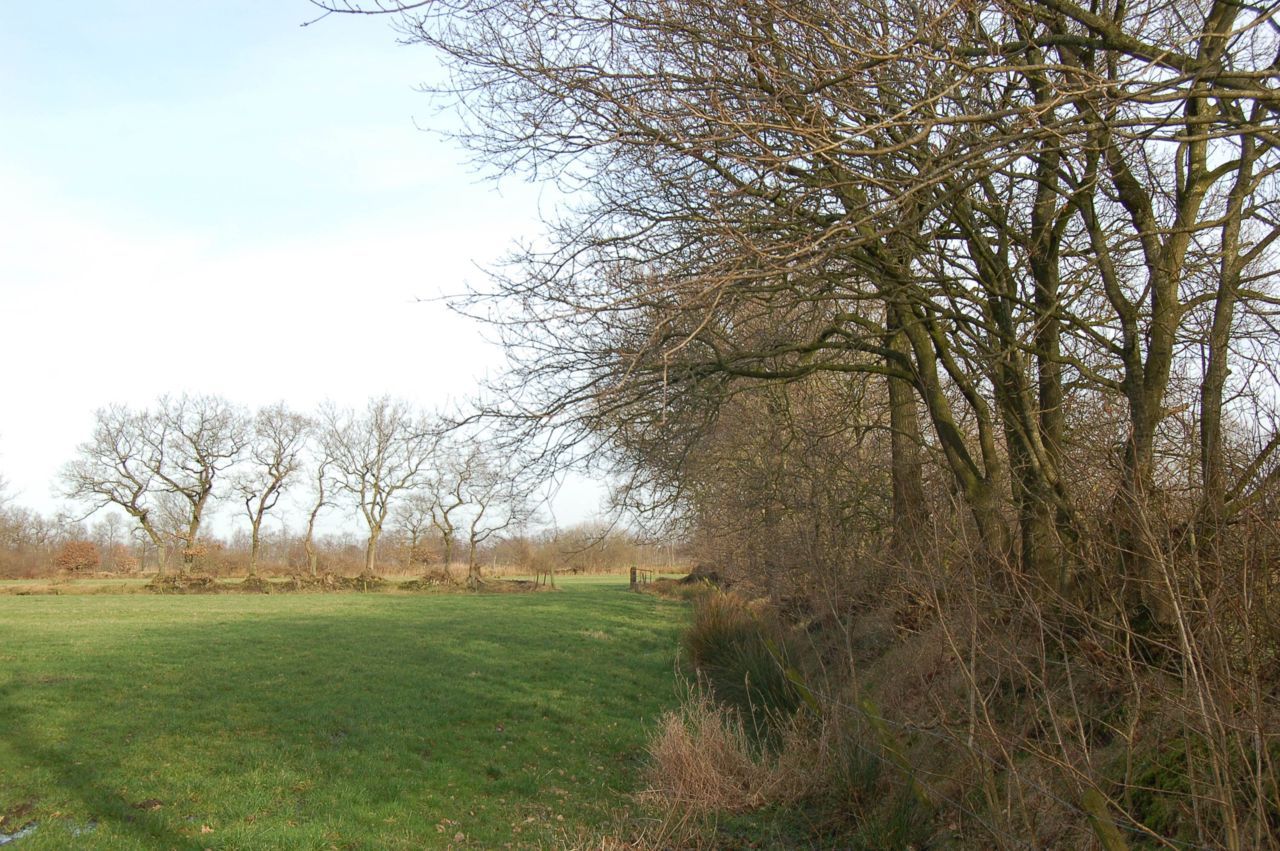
(36, 546)
(425, 490)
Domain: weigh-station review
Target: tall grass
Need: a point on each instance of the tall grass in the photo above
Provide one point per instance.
(743, 656)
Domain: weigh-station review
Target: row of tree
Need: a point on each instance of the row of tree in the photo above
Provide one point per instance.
(980, 295)
(34, 545)
(1047, 228)
(167, 465)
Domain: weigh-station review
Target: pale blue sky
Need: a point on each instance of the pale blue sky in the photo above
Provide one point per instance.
(227, 117)
(205, 196)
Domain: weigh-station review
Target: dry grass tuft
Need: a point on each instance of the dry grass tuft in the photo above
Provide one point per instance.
(703, 759)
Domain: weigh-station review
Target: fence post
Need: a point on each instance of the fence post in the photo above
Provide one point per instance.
(633, 577)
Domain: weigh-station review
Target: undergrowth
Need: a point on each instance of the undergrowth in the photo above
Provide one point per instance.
(948, 710)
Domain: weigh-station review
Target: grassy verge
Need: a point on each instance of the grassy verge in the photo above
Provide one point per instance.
(23, 587)
(327, 721)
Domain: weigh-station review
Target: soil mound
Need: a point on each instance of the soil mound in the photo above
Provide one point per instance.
(432, 580)
(189, 584)
(365, 582)
(704, 573)
(255, 585)
(306, 582)
(333, 582)
(183, 583)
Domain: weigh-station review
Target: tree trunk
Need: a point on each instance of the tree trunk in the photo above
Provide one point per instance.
(309, 542)
(1212, 468)
(976, 481)
(473, 568)
(1148, 357)
(1039, 552)
(255, 542)
(371, 550)
(1054, 519)
(910, 513)
(162, 553)
(193, 530)
(189, 550)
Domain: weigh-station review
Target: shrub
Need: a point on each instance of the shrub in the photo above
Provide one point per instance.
(122, 561)
(77, 556)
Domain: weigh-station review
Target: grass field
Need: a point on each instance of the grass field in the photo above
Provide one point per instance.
(328, 721)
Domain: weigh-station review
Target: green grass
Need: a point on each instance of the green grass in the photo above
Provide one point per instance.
(328, 721)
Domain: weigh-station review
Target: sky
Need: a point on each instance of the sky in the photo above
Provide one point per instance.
(208, 197)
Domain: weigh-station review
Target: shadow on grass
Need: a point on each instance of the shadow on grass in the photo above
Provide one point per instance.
(367, 726)
(83, 782)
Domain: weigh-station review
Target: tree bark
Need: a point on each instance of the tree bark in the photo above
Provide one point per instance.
(371, 549)
(1217, 353)
(910, 511)
(473, 568)
(255, 543)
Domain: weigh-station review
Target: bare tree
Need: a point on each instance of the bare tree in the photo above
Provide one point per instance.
(109, 535)
(117, 467)
(496, 499)
(375, 456)
(1010, 217)
(22, 528)
(172, 516)
(413, 520)
(320, 481)
(192, 440)
(275, 456)
(447, 489)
